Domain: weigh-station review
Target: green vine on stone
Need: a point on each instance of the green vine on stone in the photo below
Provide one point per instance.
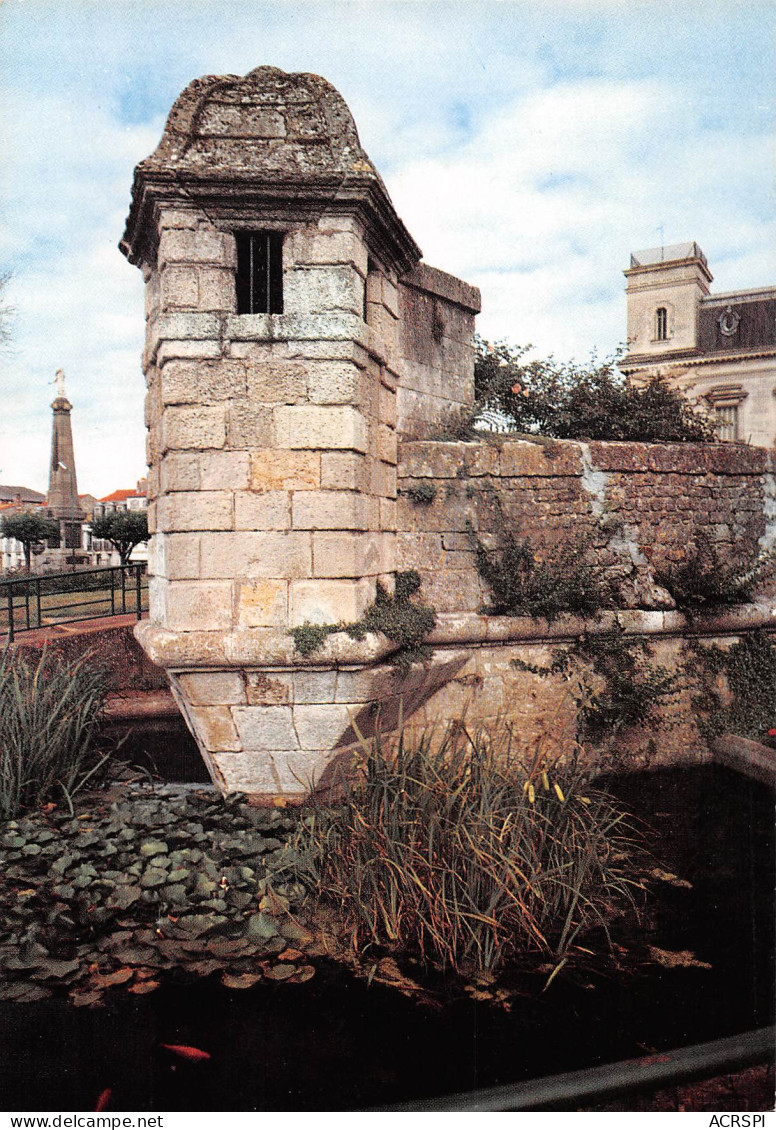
(404, 621)
(523, 584)
(423, 494)
(631, 686)
(736, 686)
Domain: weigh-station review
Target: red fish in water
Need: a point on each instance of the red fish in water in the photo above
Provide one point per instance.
(104, 1099)
(186, 1052)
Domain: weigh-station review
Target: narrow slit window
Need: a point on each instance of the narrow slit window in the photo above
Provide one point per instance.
(259, 272)
(661, 323)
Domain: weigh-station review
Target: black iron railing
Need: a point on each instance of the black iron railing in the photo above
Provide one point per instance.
(30, 602)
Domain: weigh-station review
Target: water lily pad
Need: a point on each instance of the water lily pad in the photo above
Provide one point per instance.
(294, 932)
(274, 904)
(174, 893)
(31, 849)
(143, 987)
(57, 970)
(291, 956)
(121, 898)
(201, 923)
(153, 877)
(135, 955)
(280, 972)
(178, 875)
(241, 900)
(86, 998)
(23, 992)
(304, 973)
(261, 926)
(240, 980)
(117, 977)
(204, 886)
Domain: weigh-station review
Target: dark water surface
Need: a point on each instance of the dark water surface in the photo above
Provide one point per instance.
(335, 1043)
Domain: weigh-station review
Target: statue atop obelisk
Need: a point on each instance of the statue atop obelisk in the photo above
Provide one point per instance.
(62, 501)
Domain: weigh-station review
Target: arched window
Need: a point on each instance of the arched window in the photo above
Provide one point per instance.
(661, 324)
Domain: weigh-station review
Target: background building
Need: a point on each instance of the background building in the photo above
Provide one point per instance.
(719, 349)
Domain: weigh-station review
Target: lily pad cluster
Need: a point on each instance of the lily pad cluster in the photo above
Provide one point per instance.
(146, 881)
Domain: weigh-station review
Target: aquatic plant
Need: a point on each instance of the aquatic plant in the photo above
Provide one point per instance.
(49, 709)
(454, 848)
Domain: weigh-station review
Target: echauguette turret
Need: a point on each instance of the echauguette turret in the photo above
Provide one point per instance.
(293, 334)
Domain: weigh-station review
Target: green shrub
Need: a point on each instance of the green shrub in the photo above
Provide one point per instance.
(704, 580)
(521, 584)
(48, 714)
(454, 851)
(401, 619)
(570, 401)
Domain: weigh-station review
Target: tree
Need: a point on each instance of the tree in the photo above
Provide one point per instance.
(571, 401)
(124, 530)
(28, 527)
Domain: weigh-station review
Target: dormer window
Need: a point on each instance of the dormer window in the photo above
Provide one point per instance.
(259, 272)
(661, 324)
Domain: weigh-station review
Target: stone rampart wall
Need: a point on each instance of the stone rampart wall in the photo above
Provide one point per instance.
(633, 506)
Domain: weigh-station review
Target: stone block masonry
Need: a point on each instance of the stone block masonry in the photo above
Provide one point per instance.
(635, 507)
(299, 356)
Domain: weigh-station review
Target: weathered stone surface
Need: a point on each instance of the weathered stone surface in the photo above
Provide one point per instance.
(262, 604)
(194, 428)
(214, 727)
(322, 726)
(269, 688)
(266, 727)
(208, 688)
(202, 605)
(333, 510)
(276, 382)
(195, 510)
(314, 426)
(272, 470)
(256, 554)
(268, 511)
(355, 556)
(328, 602)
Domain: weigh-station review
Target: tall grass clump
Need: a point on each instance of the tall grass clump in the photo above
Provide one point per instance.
(48, 714)
(452, 849)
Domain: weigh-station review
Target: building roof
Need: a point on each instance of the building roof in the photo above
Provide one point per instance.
(674, 253)
(11, 493)
(121, 496)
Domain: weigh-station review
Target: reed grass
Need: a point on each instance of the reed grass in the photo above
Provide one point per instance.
(456, 849)
(49, 709)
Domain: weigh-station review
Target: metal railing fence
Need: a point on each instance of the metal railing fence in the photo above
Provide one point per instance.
(30, 602)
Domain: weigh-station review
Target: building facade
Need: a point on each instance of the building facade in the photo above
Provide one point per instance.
(718, 349)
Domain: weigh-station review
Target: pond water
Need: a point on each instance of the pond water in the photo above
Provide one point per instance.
(336, 1043)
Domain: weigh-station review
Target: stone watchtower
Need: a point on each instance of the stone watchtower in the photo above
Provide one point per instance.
(291, 333)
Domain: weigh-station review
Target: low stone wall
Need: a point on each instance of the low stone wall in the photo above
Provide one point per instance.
(637, 507)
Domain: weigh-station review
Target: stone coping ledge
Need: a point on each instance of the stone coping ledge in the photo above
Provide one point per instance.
(754, 760)
(267, 647)
(505, 456)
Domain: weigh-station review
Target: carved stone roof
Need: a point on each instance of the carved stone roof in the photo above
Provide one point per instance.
(292, 124)
(266, 140)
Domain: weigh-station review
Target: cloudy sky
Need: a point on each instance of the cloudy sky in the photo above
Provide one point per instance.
(529, 146)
